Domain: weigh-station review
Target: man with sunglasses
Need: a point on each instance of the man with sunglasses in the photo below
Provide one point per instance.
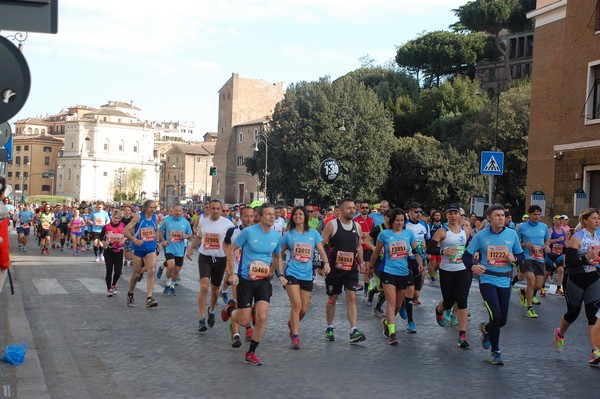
(366, 225)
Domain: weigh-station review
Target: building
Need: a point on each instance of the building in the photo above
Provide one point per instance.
(245, 105)
(176, 131)
(108, 153)
(564, 136)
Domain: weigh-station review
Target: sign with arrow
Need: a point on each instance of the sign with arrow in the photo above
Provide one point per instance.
(492, 163)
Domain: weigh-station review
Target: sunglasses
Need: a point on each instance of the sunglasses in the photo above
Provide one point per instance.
(419, 212)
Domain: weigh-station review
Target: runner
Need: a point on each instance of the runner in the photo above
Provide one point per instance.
(302, 241)
(366, 225)
(76, 225)
(261, 256)
(46, 219)
(455, 280)
(555, 259)
(345, 253)
(25, 217)
(377, 217)
(534, 240)
(172, 234)
(96, 221)
(434, 261)
(128, 250)
(497, 246)
(421, 231)
(582, 280)
(64, 219)
(375, 285)
(113, 241)
(142, 232)
(394, 272)
(211, 260)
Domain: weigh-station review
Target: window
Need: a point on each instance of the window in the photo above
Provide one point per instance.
(47, 149)
(18, 148)
(43, 131)
(62, 129)
(25, 174)
(17, 186)
(26, 148)
(592, 105)
(69, 174)
(36, 131)
(45, 187)
(105, 173)
(29, 130)
(135, 148)
(106, 145)
(121, 146)
(9, 174)
(17, 175)
(241, 137)
(47, 161)
(71, 145)
(25, 160)
(18, 161)
(240, 161)
(24, 186)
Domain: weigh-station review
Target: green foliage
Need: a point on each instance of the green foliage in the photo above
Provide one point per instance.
(426, 170)
(306, 129)
(489, 16)
(51, 199)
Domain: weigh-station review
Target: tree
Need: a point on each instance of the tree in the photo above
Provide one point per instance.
(132, 180)
(434, 56)
(426, 170)
(305, 129)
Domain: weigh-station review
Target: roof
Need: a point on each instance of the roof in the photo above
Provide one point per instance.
(40, 137)
(120, 104)
(195, 149)
(110, 112)
(31, 121)
(254, 122)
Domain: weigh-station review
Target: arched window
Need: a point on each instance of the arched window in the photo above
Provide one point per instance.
(136, 146)
(69, 174)
(36, 131)
(121, 146)
(106, 145)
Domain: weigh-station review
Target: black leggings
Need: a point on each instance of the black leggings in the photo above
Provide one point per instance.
(455, 288)
(114, 262)
(496, 301)
(582, 288)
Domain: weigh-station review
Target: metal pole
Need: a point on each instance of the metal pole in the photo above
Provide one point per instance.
(266, 168)
(493, 177)
(353, 161)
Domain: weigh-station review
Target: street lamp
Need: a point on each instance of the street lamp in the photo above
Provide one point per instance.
(262, 138)
(488, 72)
(347, 113)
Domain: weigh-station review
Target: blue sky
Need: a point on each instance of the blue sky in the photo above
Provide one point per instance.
(171, 58)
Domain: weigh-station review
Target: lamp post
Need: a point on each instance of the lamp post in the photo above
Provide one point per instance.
(488, 72)
(347, 113)
(262, 138)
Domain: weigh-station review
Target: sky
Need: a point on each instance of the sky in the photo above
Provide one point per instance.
(171, 58)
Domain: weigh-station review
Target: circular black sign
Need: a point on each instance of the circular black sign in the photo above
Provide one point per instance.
(330, 170)
(5, 133)
(15, 80)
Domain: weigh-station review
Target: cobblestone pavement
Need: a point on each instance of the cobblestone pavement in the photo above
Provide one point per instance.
(92, 346)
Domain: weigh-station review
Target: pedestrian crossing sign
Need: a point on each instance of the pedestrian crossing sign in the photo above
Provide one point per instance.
(492, 163)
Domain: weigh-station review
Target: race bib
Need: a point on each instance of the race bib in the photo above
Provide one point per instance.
(64, 219)
(114, 237)
(344, 260)
(175, 235)
(497, 255)
(147, 233)
(594, 263)
(76, 228)
(45, 225)
(302, 251)
(557, 249)
(99, 221)
(398, 250)
(457, 258)
(25, 225)
(537, 253)
(258, 270)
(212, 241)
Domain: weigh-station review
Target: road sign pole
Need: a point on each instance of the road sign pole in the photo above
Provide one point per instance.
(491, 190)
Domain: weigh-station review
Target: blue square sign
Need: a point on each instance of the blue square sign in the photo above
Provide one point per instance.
(492, 163)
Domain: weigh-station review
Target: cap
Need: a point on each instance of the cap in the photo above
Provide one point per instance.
(565, 217)
(453, 207)
(462, 212)
(557, 217)
(525, 216)
(255, 204)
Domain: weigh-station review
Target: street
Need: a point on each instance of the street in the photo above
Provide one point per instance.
(92, 346)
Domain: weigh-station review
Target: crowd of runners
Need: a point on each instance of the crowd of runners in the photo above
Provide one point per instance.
(244, 250)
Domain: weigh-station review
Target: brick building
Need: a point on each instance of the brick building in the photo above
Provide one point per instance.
(564, 135)
(244, 107)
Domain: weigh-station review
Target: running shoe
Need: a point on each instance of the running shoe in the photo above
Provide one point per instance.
(402, 312)
(559, 291)
(109, 292)
(248, 334)
(151, 303)
(462, 341)
(167, 290)
(356, 336)
(439, 317)
(159, 272)
(236, 342)
(558, 343)
(224, 296)
(202, 325)
(594, 357)
(386, 330)
(172, 291)
(97, 259)
(226, 312)
(47, 251)
(102, 257)
(535, 301)
(211, 317)
(522, 297)
(485, 337)
(130, 300)
(62, 249)
(377, 312)
(432, 280)
(329, 334)
(358, 287)
(411, 328)
(447, 314)
(295, 342)
(251, 359)
(531, 313)
(416, 301)
(454, 320)
(543, 292)
(114, 289)
(496, 358)
(393, 340)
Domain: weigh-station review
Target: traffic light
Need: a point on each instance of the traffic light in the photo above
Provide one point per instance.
(213, 170)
